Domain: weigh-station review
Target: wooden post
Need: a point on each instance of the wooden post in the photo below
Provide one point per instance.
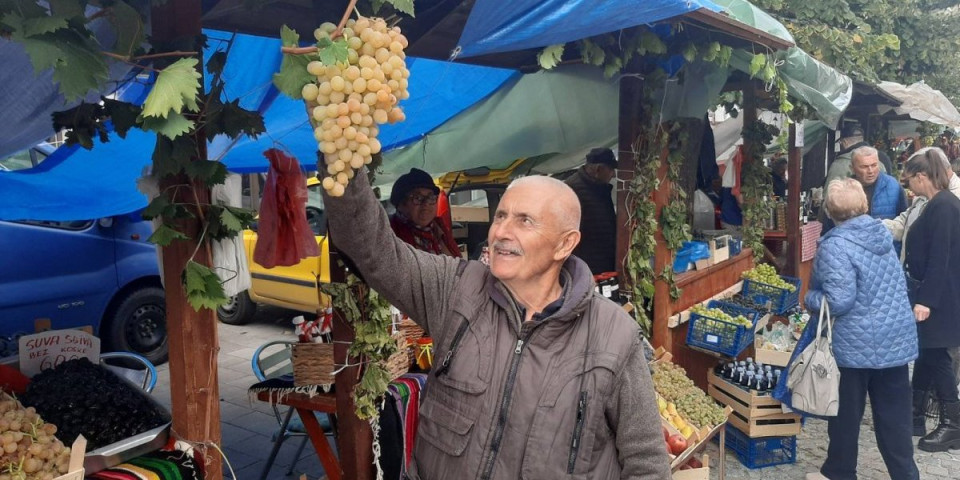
(631, 92)
(193, 341)
(354, 436)
(662, 303)
(794, 240)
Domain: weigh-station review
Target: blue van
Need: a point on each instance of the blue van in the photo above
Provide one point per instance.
(102, 273)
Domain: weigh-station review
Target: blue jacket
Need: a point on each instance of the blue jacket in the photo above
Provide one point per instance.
(889, 199)
(858, 271)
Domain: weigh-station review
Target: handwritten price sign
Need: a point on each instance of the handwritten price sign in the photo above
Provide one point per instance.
(48, 349)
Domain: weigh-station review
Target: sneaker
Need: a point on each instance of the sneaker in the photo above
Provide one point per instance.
(816, 476)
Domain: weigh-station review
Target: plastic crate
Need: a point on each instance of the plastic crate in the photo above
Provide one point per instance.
(719, 336)
(761, 452)
(781, 300)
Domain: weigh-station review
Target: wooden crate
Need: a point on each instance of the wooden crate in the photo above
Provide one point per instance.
(755, 415)
(702, 473)
(770, 357)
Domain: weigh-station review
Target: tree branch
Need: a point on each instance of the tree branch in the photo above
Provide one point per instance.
(299, 50)
(129, 59)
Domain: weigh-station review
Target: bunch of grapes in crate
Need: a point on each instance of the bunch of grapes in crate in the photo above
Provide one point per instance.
(30, 451)
(718, 314)
(681, 402)
(767, 275)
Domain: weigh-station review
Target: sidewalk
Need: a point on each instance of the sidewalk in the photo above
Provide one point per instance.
(247, 426)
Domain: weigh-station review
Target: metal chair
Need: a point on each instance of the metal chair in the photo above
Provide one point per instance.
(135, 368)
(274, 360)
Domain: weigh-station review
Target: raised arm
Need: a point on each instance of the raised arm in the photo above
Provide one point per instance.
(416, 282)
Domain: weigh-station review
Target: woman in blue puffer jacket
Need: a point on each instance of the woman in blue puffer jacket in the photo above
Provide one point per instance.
(858, 271)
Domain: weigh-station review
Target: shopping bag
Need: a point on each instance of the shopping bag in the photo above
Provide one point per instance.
(814, 378)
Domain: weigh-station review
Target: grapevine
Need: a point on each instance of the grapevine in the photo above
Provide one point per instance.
(30, 451)
(357, 82)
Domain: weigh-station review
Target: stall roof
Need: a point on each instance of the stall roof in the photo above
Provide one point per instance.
(921, 102)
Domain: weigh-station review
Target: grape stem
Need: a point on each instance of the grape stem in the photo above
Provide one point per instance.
(343, 20)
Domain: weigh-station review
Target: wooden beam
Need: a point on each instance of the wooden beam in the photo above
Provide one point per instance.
(354, 436)
(738, 29)
(255, 191)
(794, 173)
(193, 341)
(631, 90)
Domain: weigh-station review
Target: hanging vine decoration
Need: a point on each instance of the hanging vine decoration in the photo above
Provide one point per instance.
(369, 314)
(673, 215)
(757, 185)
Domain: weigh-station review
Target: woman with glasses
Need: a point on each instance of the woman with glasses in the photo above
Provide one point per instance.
(415, 222)
(932, 263)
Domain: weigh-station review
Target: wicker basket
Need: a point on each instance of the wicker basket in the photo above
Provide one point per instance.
(313, 364)
(411, 332)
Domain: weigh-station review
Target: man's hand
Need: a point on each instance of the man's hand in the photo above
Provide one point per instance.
(921, 312)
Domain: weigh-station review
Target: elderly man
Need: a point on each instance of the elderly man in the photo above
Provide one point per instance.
(884, 193)
(598, 222)
(536, 376)
(842, 166)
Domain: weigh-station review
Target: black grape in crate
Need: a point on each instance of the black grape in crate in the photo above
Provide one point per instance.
(82, 398)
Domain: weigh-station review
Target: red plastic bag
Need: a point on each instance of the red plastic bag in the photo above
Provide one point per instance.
(284, 235)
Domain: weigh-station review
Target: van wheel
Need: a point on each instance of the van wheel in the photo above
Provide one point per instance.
(238, 311)
(138, 324)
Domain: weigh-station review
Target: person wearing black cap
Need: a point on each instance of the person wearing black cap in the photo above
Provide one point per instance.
(415, 222)
(598, 220)
(851, 138)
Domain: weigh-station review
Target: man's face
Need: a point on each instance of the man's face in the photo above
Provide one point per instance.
(420, 206)
(604, 173)
(866, 168)
(526, 238)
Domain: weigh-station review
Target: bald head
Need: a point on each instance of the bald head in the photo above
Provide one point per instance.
(563, 201)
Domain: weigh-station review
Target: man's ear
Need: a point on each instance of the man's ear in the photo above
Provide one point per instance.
(568, 241)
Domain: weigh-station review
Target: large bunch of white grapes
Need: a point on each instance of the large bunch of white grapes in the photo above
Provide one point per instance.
(348, 100)
(30, 451)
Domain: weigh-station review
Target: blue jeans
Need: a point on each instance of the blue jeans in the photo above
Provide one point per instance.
(890, 398)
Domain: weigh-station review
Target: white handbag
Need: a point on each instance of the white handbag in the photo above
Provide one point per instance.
(814, 378)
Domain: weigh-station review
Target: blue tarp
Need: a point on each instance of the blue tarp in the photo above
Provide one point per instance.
(74, 183)
(497, 26)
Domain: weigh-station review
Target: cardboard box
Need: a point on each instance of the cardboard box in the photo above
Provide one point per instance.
(755, 415)
(770, 357)
(460, 213)
(719, 252)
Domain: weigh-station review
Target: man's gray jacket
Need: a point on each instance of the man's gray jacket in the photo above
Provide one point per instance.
(569, 396)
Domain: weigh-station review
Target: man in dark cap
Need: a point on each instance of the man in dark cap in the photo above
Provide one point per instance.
(851, 138)
(415, 196)
(598, 219)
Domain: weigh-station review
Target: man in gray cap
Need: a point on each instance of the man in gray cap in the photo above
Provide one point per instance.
(598, 220)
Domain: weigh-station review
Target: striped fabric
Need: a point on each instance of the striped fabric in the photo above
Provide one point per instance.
(168, 463)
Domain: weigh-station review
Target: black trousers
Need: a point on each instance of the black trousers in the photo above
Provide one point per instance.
(889, 391)
(933, 371)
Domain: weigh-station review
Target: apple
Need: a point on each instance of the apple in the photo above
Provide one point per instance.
(677, 443)
(694, 463)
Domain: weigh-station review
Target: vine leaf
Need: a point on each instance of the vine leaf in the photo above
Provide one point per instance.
(165, 235)
(175, 89)
(160, 205)
(550, 56)
(128, 24)
(207, 171)
(44, 24)
(293, 73)
(203, 287)
(216, 62)
(757, 63)
(334, 53)
(66, 8)
(232, 120)
(403, 6)
(123, 115)
(171, 126)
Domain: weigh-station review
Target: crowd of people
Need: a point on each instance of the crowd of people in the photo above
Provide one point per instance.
(888, 273)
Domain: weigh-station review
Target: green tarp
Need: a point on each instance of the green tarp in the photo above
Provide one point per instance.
(824, 88)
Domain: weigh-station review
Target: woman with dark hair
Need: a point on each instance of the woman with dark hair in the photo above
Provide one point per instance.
(932, 263)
